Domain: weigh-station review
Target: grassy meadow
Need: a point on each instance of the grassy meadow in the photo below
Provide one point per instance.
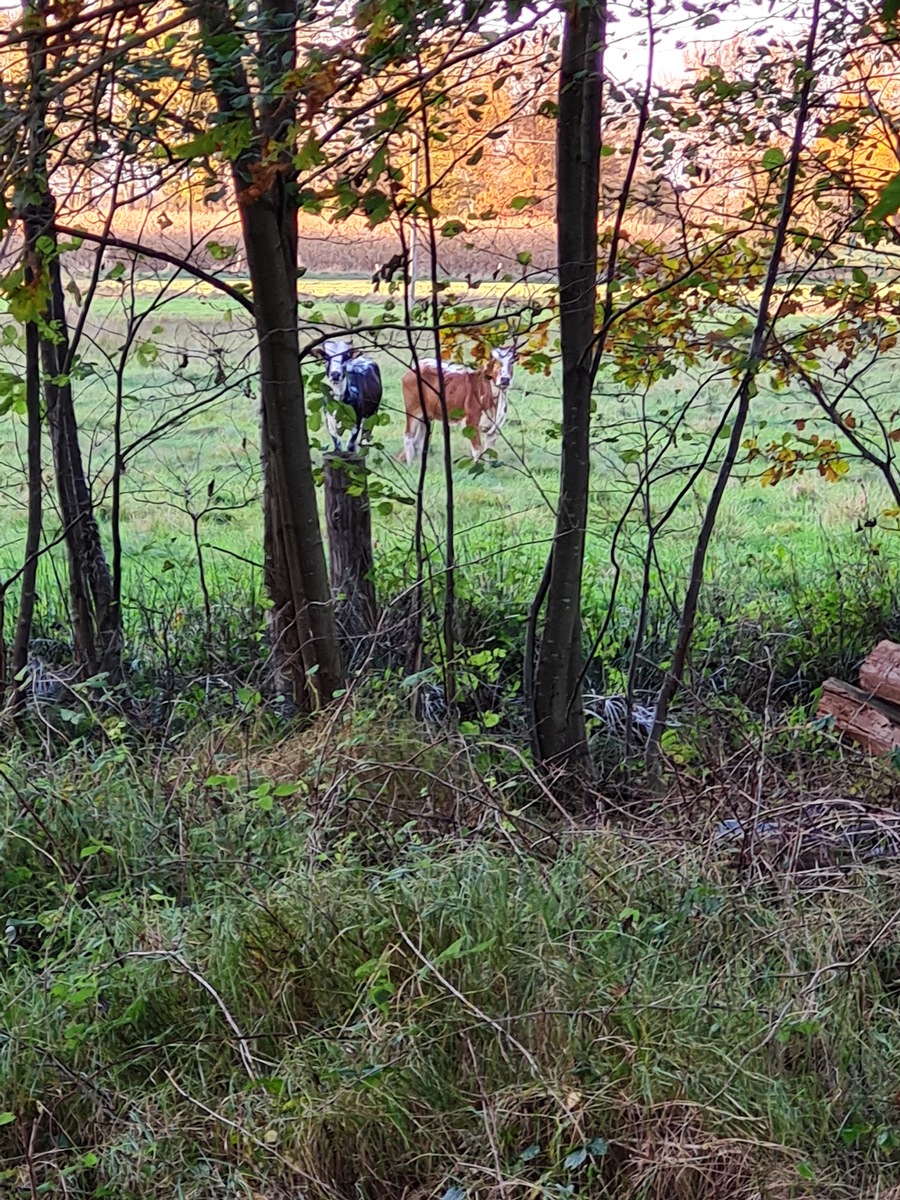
(794, 563)
(367, 959)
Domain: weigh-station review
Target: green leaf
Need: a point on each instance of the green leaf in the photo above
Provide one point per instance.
(226, 781)
(888, 201)
(221, 251)
(454, 950)
(309, 155)
(805, 1171)
(7, 1118)
(575, 1159)
(859, 275)
(773, 159)
(46, 247)
(147, 354)
(453, 229)
(351, 309)
(96, 848)
(377, 207)
(889, 10)
(117, 271)
(834, 129)
(519, 202)
(523, 258)
(475, 159)
(229, 138)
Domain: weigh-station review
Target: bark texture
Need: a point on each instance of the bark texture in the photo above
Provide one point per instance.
(302, 627)
(558, 725)
(349, 520)
(28, 594)
(871, 722)
(880, 673)
(96, 619)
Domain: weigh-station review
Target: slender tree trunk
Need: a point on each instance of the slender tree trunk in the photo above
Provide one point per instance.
(22, 639)
(559, 735)
(745, 392)
(96, 619)
(96, 623)
(304, 637)
(289, 664)
(450, 566)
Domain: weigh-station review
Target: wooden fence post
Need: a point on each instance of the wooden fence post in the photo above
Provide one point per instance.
(348, 519)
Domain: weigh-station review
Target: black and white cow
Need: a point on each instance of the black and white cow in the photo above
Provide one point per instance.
(352, 381)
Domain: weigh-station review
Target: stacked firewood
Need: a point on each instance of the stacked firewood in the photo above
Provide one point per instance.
(870, 713)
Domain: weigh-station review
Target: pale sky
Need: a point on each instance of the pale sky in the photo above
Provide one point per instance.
(626, 56)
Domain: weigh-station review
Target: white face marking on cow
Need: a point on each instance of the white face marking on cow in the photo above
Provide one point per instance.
(337, 355)
(506, 358)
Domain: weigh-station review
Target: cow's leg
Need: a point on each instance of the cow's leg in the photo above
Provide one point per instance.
(473, 422)
(354, 437)
(333, 429)
(499, 418)
(413, 439)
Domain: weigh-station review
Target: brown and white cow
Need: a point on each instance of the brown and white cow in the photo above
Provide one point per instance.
(476, 399)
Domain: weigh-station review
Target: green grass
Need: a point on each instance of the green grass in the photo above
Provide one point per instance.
(786, 561)
(787, 564)
(218, 990)
(357, 965)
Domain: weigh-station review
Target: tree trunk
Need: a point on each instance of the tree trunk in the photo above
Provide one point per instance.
(96, 620)
(305, 646)
(349, 520)
(558, 727)
(22, 639)
(744, 394)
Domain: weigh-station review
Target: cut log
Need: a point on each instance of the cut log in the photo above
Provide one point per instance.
(869, 721)
(880, 673)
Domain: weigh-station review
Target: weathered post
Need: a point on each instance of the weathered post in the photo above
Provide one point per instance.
(348, 519)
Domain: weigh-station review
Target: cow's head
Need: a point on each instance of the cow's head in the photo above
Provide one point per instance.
(505, 357)
(335, 353)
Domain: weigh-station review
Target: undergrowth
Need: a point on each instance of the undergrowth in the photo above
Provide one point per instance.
(357, 964)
